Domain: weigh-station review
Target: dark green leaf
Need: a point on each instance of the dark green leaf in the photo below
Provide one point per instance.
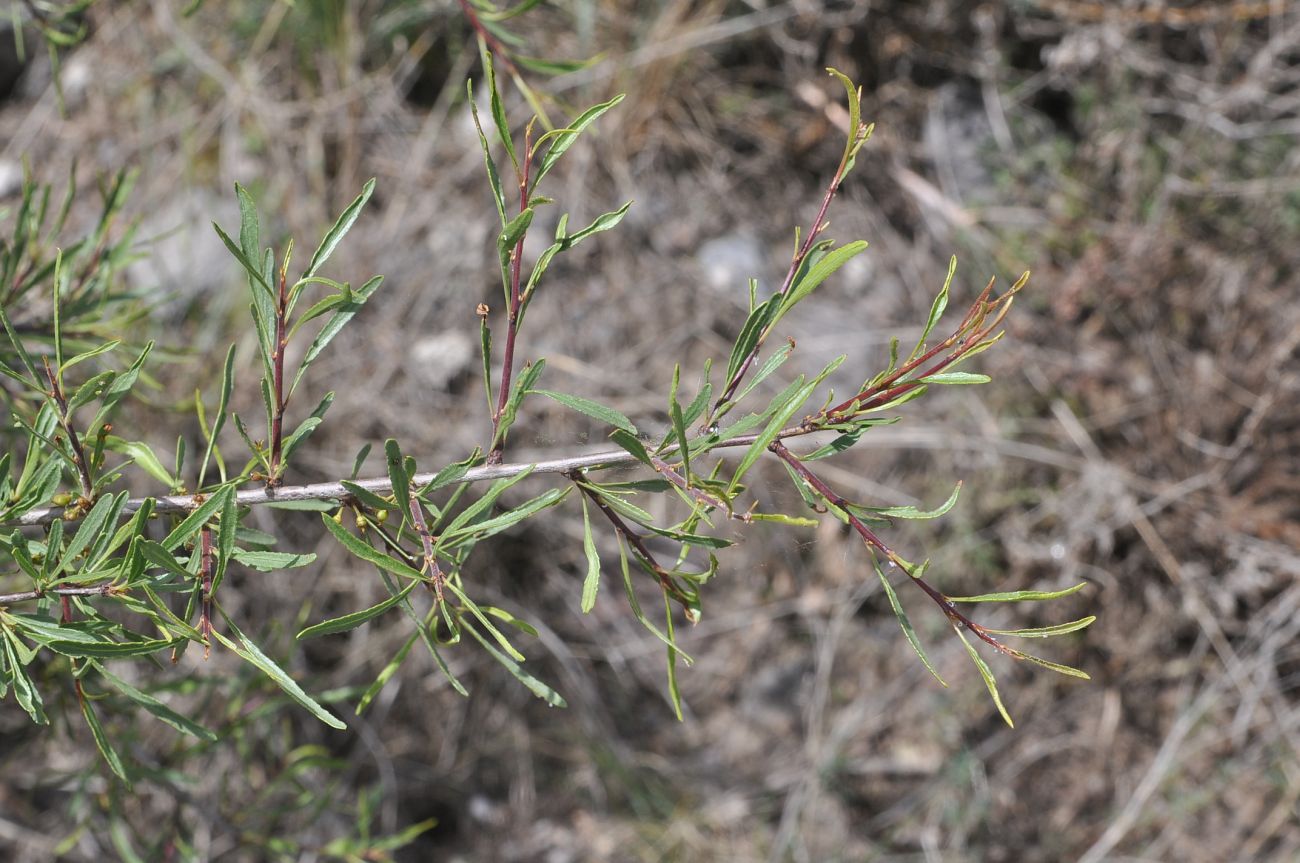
(272, 561)
(102, 742)
(251, 653)
(356, 618)
(606, 415)
(161, 711)
(341, 226)
(535, 686)
(363, 550)
(564, 138)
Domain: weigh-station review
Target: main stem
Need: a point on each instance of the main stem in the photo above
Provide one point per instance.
(495, 453)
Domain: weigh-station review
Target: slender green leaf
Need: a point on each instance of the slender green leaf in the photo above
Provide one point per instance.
(351, 621)
(339, 319)
(219, 418)
(912, 513)
(494, 179)
(341, 226)
(590, 584)
(102, 742)
(535, 686)
(142, 455)
(1019, 595)
(272, 561)
(363, 550)
(400, 478)
(198, 518)
(564, 138)
(955, 378)
(1049, 631)
(603, 222)
(251, 653)
(936, 310)
(818, 273)
(986, 673)
(161, 711)
(606, 415)
(906, 625)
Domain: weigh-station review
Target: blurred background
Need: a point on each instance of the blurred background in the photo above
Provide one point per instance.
(1142, 431)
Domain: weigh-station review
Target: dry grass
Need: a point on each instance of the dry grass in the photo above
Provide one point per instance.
(1141, 432)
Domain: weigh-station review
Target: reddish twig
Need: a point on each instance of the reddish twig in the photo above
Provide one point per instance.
(635, 540)
(278, 400)
(74, 441)
(877, 544)
(494, 455)
(435, 574)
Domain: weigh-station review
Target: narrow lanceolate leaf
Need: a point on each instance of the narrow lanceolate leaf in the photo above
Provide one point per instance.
(986, 673)
(94, 524)
(1019, 595)
(911, 512)
(494, 179)
(109, 649)
(118, 389)
(159, 710)
(564, 138)
(351, 621)
(342, 314)
(251, 653)
(819, 273)
(362, 549)
(603, 222)
(936, 310)
(906, 625)
(595, 410)
(340, 229)
(955, 378)
(399, 477)
(1067, 670)
(219, 419)
(499, 111)
(272, 561)
(102, 742)
(755, 325)
(482, 529)
(535, 686)
(855, 114)
(1048, 631)
(591, 583)
(144, 457)
(198, 518)
(674, 692)
(774, 426)
(25, 692)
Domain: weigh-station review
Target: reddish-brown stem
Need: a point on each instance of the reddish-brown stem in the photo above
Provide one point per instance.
(493, 43)
(667, 472)
(886, 391)
(877, 544)
(818, 225)
(496, 451)
(206, 556)
(277, 385)
(74, 441)
(635, 540)
(427, 539)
